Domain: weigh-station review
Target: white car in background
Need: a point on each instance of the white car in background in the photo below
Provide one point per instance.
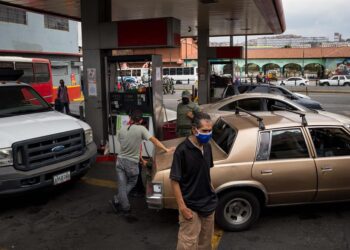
(294, 81)
(337, 80)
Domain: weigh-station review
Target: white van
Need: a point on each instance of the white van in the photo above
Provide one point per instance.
(39, 146)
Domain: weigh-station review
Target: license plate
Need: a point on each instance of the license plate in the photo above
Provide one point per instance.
(60, 178)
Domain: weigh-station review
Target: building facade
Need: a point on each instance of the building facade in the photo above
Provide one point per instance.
(30, 34)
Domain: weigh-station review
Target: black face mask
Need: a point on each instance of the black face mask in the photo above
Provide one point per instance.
(185, 100)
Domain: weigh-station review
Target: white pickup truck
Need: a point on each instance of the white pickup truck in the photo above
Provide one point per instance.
(39, 146)
(337, 80)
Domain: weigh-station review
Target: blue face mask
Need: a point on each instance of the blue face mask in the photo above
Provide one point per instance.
(203, 138)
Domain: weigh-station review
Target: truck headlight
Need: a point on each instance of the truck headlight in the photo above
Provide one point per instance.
(6, 158)
(89, 137)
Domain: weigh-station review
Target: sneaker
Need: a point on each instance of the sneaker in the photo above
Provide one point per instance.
(115, 206)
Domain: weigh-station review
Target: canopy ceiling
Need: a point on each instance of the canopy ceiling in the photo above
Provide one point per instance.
(226, 17)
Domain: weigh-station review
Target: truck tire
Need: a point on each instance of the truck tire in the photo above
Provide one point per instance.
(325, 84)
(237, 211)
(347, 84)
(302, 84)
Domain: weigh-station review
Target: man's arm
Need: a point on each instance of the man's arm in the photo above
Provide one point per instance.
(184, 210)
(160, 145)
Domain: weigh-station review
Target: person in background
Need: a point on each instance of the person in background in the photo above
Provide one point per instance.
(192, 186)
(185, 114)
(62, 95)
(127, 166)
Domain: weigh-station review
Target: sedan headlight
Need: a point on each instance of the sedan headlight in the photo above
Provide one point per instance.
(6, 158)
(89, 137)
(157, 188)
(347, 126)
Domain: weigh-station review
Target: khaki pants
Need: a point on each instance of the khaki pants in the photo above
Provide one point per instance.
(195, 234)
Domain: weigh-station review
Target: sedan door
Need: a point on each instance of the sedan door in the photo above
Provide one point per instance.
(332, 147)
(284, 166)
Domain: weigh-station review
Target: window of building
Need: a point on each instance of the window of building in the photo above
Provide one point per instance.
(58, 70)
(330, 142)
(57, 23)
(12, 15)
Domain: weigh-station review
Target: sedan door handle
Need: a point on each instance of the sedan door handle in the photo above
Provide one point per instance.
(266, 171)
(326, 169)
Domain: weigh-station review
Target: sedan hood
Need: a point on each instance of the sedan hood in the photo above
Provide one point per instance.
(23, 127)
(341, 118)
(309, 103)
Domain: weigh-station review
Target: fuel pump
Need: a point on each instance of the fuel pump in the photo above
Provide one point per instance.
(126, 96)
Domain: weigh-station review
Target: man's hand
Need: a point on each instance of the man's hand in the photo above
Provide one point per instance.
(186, 213)
(190, 114)
(170, 150)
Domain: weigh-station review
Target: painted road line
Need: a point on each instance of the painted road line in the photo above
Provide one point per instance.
(100, 182)
(215, 241)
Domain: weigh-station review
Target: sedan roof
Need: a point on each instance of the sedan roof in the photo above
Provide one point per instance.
(277, 119)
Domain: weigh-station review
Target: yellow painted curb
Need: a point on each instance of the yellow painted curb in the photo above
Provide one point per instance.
(215, 241)
(99, 183)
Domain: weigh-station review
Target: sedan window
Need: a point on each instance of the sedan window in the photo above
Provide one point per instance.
(285, 144)
(224, 135)
(330, 142)
(272, 102)
(334, 78)
(252, 104)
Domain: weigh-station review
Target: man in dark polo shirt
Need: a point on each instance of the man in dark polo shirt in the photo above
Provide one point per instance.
(191, 183)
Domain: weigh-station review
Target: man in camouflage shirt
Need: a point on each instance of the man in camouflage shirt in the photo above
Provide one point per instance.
(185, 111)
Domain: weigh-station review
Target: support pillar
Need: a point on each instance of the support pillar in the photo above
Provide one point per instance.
(203, 44)
(92, 13)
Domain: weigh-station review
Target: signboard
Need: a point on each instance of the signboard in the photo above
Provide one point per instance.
(91, 75)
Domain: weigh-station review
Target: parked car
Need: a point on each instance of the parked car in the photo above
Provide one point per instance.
(272, 89)
(273, 159)
(39, 147)
(260, 102)
(337, 80)
(294, 81)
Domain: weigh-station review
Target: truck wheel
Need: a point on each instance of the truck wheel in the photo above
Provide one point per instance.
(237, 211)
(326, 84)
(346, 84)
(302, 84)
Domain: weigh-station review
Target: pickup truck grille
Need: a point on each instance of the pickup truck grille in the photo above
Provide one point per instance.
(43, 151)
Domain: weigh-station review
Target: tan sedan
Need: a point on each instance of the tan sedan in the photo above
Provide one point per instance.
(277, 161)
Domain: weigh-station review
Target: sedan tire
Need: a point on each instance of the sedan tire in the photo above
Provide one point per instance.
(237, 211)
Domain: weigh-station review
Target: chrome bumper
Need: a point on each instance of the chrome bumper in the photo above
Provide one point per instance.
(155, 201)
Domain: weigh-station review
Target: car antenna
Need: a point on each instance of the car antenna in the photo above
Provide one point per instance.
(302, 115)
(259, 119)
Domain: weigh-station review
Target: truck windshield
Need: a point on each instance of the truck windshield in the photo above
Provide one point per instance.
(15, 100)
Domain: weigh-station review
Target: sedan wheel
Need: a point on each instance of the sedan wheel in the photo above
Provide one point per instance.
(302, 84)
(237, 211)
(346, 84)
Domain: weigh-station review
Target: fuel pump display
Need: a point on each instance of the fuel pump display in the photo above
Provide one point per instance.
(125, 97)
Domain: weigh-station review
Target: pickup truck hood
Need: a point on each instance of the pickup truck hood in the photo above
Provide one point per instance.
(24, 127)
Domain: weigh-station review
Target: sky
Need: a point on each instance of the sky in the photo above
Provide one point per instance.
(312, 18)
(317, 17)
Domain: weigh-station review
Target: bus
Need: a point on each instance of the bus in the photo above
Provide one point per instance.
(137, 73)
(36, 72)
(182, 75)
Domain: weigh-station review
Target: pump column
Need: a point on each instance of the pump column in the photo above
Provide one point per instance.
(203, 44)
(92, 13)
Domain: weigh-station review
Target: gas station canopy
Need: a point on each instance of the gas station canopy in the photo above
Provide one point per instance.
(226, 17)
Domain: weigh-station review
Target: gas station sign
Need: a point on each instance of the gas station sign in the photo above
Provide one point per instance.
(157, 32)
